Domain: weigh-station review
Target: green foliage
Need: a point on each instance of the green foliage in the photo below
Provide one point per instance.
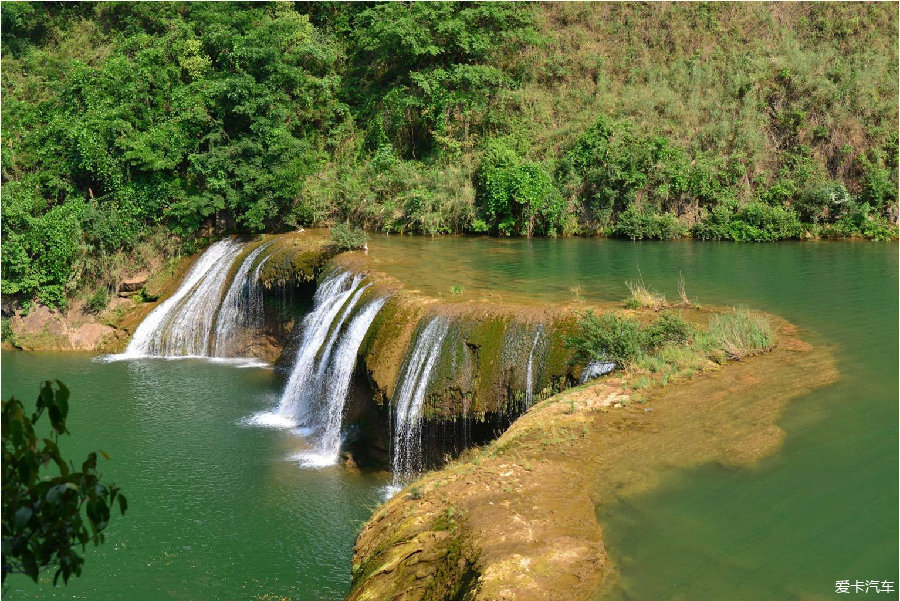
(823, 202)
(98, 300)
(639, 224)
(6, 333)
(621, 339)
(668, 328)
(49, 508)
(754, 222)
(122, 120)
(517, 197)
(346, 237)
(427, 76)
(609, 337)
(609, 168)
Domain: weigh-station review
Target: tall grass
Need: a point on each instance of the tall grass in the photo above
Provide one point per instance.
(740, 333)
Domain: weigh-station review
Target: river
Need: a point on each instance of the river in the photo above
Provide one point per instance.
(220, 510)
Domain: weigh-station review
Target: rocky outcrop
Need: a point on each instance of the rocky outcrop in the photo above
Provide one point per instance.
(516, 519)
(292, 265)
(43, 328)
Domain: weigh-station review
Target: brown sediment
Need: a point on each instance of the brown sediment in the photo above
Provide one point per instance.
(516, 519)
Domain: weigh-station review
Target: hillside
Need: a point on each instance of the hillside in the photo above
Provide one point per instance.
(136, 130)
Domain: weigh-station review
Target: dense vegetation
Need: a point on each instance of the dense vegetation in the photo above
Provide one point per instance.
(668, 346)
(134, 129)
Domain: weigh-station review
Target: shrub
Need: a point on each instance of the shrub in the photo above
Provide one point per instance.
(668, 328)
(639, 224)
(754, 222)
(610, 337)
(6, 333)
(740, 333)
(99, 300)
(823, 202)
(346, 237)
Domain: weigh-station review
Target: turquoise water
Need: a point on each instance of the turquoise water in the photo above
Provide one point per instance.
(825, 507)
(219, 511)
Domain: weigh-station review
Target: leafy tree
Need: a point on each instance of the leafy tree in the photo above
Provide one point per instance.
(49, 507)
(428, 75)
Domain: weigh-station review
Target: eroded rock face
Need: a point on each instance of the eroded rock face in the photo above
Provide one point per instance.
(48, 329)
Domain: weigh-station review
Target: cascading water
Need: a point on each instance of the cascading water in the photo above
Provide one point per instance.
(529, 370)
(255, 306)
(327, 303)
(411, 387)
(240, 310)
(335, 377)
(595, 369)
(181, 325)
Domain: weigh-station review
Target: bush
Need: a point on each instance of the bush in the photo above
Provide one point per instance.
(99, 300)
(740, 333)
(346, 237)
(668, 328)
(823, 202)
(639, 224)
(754, 222)
(610, 337)
(6, 333)
(516, 197)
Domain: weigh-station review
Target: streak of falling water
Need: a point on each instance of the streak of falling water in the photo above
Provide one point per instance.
(181, 325)
(327, 303)
(335, 379)
(406, 460)
(236, 313)
(529, 370)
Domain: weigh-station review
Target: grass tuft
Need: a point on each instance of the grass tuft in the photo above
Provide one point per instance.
(641, 297)
(740, 333)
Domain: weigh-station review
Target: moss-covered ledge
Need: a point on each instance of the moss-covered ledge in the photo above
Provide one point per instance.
(516, 519)
(481, 369)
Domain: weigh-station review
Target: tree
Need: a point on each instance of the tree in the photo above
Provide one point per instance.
(43, 523)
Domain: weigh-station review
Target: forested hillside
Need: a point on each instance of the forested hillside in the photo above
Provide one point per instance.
(132, 130)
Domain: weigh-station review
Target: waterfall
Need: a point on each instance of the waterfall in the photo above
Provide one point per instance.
(328, 300)
(595, 369)
(529, 370)
(242, 307)
(255, 306)
(412, 384)
(334, 374)
(181, 325)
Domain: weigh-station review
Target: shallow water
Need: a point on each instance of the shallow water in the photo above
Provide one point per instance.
(825, 507)
(219, 510)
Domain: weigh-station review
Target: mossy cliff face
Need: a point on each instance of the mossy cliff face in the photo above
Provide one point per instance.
(482, 365)
(494, 360)
(517, 519)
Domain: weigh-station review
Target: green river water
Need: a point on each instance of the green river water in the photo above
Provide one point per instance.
(220, 511)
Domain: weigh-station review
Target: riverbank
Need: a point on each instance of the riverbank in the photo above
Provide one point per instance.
(516, 519)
